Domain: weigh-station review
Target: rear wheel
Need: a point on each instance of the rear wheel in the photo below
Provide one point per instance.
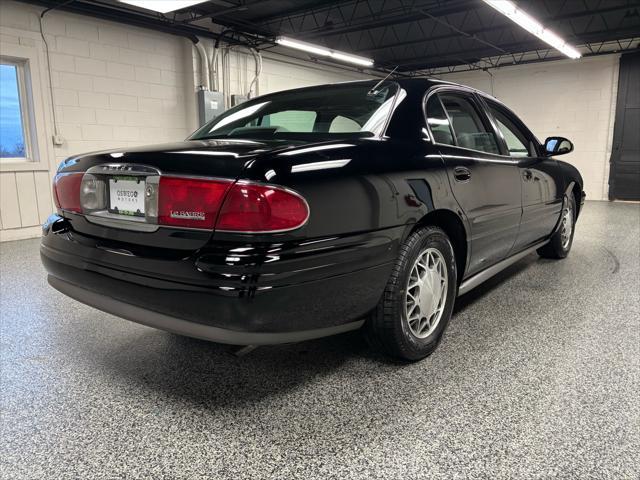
(561, 241)
(418, 299)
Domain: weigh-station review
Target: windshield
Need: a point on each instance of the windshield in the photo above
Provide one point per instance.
(335, 111)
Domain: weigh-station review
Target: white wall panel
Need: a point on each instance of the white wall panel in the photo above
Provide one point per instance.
(42, 182)
(27, 199)
(9, 205)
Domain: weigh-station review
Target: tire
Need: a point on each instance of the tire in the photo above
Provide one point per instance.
(388, 329)
(560, 245)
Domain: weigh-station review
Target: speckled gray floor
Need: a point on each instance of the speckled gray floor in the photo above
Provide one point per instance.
(538, 376)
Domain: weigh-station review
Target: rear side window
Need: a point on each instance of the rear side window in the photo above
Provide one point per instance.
(438, 122)
(517, 142)
(468, 128)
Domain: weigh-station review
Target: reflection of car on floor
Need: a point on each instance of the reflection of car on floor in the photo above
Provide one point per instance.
(311, 212)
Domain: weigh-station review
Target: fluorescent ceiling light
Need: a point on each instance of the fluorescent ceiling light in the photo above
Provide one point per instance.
(324, 52)
(531, 25)
(162, 6)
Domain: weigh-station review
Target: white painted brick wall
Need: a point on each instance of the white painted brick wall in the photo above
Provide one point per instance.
(575, 99)
(106, 75)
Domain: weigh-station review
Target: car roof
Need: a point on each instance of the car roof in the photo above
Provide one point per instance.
(419, 83)
(426, 83)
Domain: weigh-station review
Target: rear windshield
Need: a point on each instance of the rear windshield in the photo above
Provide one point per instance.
(334, 111)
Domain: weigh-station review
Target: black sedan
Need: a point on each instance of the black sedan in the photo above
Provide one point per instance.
(312, 212)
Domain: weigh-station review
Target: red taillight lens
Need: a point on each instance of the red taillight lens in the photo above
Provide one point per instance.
(262, 208)
(190, 202)
(66, 191)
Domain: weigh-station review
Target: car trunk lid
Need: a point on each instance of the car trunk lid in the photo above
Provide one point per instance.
(116, 192)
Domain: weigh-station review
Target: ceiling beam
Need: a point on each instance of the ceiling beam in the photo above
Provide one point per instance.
(506, 25)
(470, 56)
(384, 19)
(318, 7)
(491, 63)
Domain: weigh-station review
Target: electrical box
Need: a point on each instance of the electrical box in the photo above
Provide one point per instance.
(210, 105)
(238, 99)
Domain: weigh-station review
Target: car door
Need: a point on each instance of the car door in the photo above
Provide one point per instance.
(485, 183)
(540, 176)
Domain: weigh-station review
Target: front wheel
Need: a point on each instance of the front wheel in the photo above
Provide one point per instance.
(416, 306)
(560, 243)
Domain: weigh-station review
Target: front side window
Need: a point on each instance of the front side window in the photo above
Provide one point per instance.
(13, 113)
(517, 142)
(469, 129)
(324, 112)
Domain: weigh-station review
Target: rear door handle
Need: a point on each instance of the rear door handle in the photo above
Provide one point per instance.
(462, 174)
(527, 175)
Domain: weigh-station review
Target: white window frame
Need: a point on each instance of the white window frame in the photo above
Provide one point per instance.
(33, 109)
(26, 109)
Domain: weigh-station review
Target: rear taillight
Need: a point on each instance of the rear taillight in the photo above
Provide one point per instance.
(255, 208)
(66, 191)
(190, 202)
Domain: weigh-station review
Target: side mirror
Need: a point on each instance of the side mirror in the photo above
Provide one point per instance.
(557, 146)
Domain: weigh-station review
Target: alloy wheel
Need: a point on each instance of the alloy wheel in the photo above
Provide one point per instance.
(567, 227)
(426, 293)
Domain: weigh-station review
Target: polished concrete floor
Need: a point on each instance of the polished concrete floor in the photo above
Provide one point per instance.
(538, 376)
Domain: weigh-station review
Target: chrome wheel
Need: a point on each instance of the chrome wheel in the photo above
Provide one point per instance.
(426, 293)
(567, 226)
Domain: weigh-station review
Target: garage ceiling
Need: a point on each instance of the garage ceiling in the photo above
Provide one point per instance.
(417, 36)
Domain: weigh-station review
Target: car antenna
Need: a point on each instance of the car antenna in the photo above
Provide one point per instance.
(373, 89)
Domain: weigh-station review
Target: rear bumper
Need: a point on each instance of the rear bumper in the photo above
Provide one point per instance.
(191, 329)
(238, 298)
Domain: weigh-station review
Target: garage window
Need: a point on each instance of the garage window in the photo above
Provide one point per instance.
(15, 117)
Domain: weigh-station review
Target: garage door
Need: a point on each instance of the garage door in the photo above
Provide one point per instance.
(624, 177)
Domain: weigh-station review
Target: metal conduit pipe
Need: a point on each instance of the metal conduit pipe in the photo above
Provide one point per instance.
(213, 69)
(226, 77)
(214, 61)
(226, 73)
(225, 62)
(258, 59)
(204, 64)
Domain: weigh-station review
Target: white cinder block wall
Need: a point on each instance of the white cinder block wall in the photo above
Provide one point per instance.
(114, 85)
(574, 99)
(279, 73)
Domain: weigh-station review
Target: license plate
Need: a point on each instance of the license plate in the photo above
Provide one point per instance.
(126, 196)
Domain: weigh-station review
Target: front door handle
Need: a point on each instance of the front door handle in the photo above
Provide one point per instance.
(462, 174)
(527, 175)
